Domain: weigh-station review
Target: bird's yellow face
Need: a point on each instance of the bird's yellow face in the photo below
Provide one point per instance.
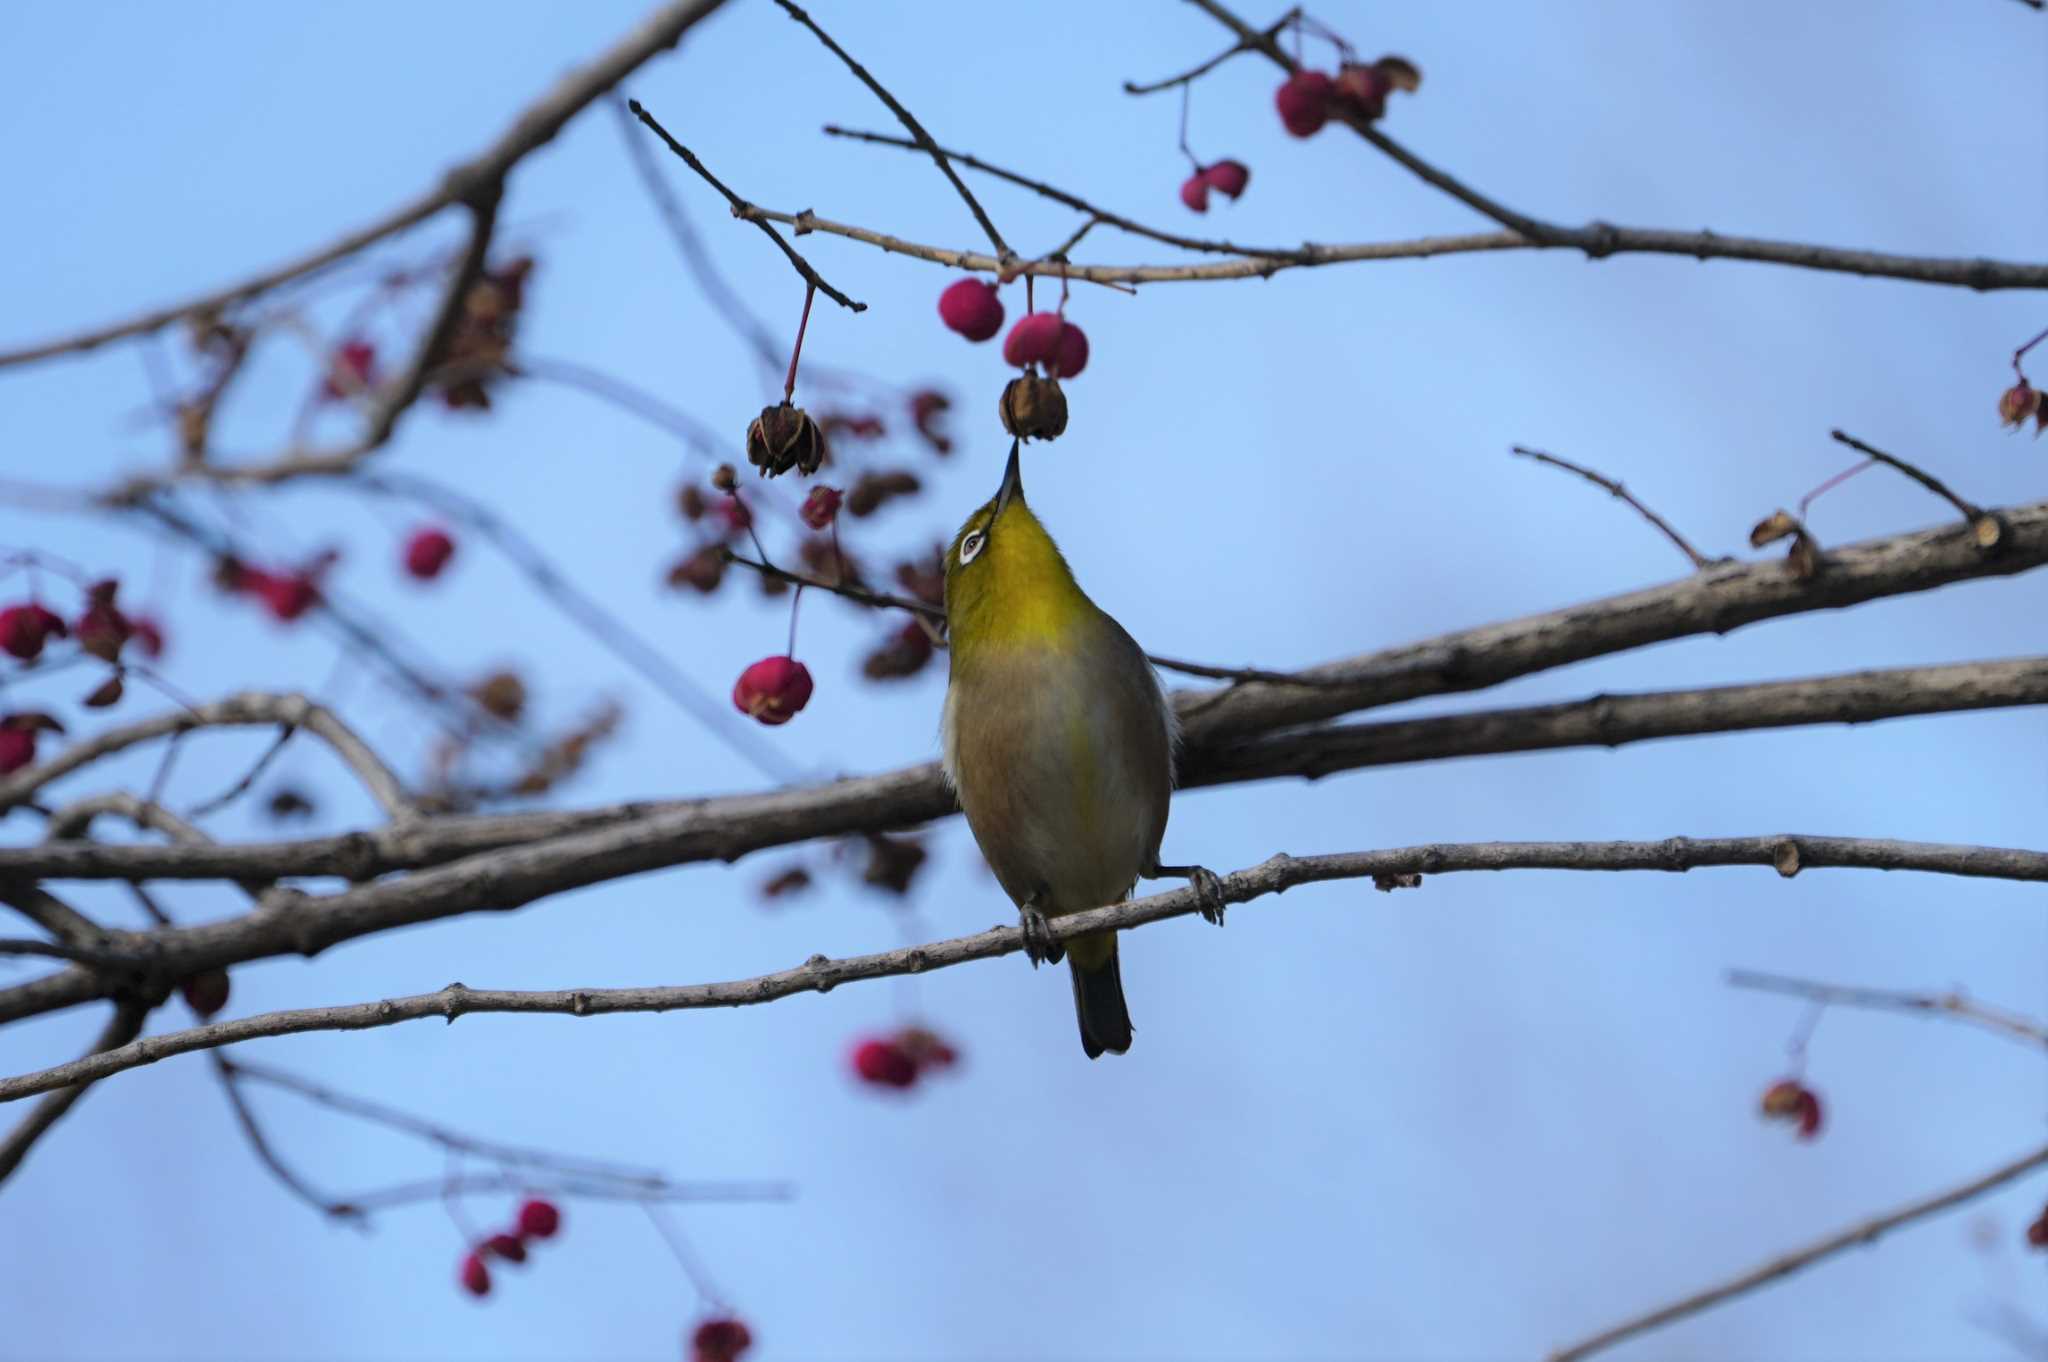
(1005, 579)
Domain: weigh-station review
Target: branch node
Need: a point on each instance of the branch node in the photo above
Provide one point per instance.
(1786, 858)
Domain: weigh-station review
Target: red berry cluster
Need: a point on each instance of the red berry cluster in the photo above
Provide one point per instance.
(427, 551)
(1309, 99)
(898, 1061)
(772, 690)
(1227, 178)
(722, 1338)
(1792, 1101)
(536, 1219)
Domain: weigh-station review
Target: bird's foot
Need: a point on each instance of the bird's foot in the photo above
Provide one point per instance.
(1040, 946)
(1208, 888)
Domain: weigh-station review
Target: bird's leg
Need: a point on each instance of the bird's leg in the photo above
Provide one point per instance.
(1208, 889)
(1040, 947)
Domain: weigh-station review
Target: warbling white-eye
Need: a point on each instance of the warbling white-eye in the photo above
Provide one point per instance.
(1060, 744)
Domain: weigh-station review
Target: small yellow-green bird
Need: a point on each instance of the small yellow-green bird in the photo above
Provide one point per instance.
(1060, 744)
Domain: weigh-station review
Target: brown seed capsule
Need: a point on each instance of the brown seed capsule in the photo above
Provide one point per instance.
(1034, 408)
(783, 437)
(723, 478)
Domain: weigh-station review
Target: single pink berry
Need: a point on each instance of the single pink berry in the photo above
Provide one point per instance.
(1227, 178)
(1194, 191)
(735, 516)
(17, 748)
(475, 1277)
(24, 629)
(102, 630)
(884, 1064)
(1033, 339)
(353, 370)
(821, 506)
(205, 993)
(2015, 405)
(971, 307)
(1070, 355)
(510, 1247)
(427, 552)
(772, 690)
(1304, 102)
(539, 1218)
(720, 1339)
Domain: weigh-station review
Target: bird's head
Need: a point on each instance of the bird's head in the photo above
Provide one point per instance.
(1005, 577)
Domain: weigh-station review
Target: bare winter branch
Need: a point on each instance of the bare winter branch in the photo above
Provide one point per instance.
(481, 175)
(1855, 1236)
(1787, 853)
(1615, 489)
(1954, 1003)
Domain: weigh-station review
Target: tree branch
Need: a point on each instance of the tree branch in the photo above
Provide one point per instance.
(1600, 239)
(909, 121)
(1954, 1004)
(1787, 853)
(1621, 493)
(124, 1026)
(534, 127)
(1856, 1236)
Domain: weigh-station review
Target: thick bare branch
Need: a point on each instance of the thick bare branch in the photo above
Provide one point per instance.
(1714, 601)
(1855, 1236)
(482, 174)
(511, 883)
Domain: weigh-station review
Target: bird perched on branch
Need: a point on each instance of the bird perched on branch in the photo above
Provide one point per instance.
(1060, 744)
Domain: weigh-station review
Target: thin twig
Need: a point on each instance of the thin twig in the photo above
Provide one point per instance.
(1955, 1004)
(124, 1026)
(1273, 31)
(1855, 1236)
(909, 121)
(1787, 854)
(745, 211)
(1969, 510)
(1693, 555)
(724, 299)
(535, 125)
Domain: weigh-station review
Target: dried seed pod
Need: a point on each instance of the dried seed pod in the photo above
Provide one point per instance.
(1034, 408)
(783, 437)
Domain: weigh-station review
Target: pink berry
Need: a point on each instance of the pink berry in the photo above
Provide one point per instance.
(475, 1277)
(102, 629)
(205, 993)
(1070, 355)
(149, 636)
(1194, 191)
(427, 552)
(720, 1339)
(1304, 102)
(25, 628)
(1033, 339)
(17, 748)
(821, 506)
(539, 1219)
(971, 307)
(1364, 88)
(353, 370)
(510, 1247)
(884, 1064)
(1227, 178)
(772, 690)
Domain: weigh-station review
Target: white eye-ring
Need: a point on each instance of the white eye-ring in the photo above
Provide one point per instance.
(970, 546)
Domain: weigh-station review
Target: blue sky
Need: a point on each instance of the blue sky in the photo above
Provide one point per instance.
(1475, 1121)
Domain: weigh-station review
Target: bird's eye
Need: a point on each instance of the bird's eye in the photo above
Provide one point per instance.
(970, 546)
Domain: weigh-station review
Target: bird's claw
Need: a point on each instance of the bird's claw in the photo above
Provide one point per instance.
(1040, 946)
(1208, 894)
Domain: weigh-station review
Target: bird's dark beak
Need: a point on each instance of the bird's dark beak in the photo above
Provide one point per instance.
(1013, 481)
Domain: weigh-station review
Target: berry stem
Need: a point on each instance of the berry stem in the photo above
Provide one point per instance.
(1836, 481)
(797, 350)
(1186, 92)
(794, 601)
(2021, 353)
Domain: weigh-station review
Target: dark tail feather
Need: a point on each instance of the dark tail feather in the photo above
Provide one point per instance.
(1099, 1003)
